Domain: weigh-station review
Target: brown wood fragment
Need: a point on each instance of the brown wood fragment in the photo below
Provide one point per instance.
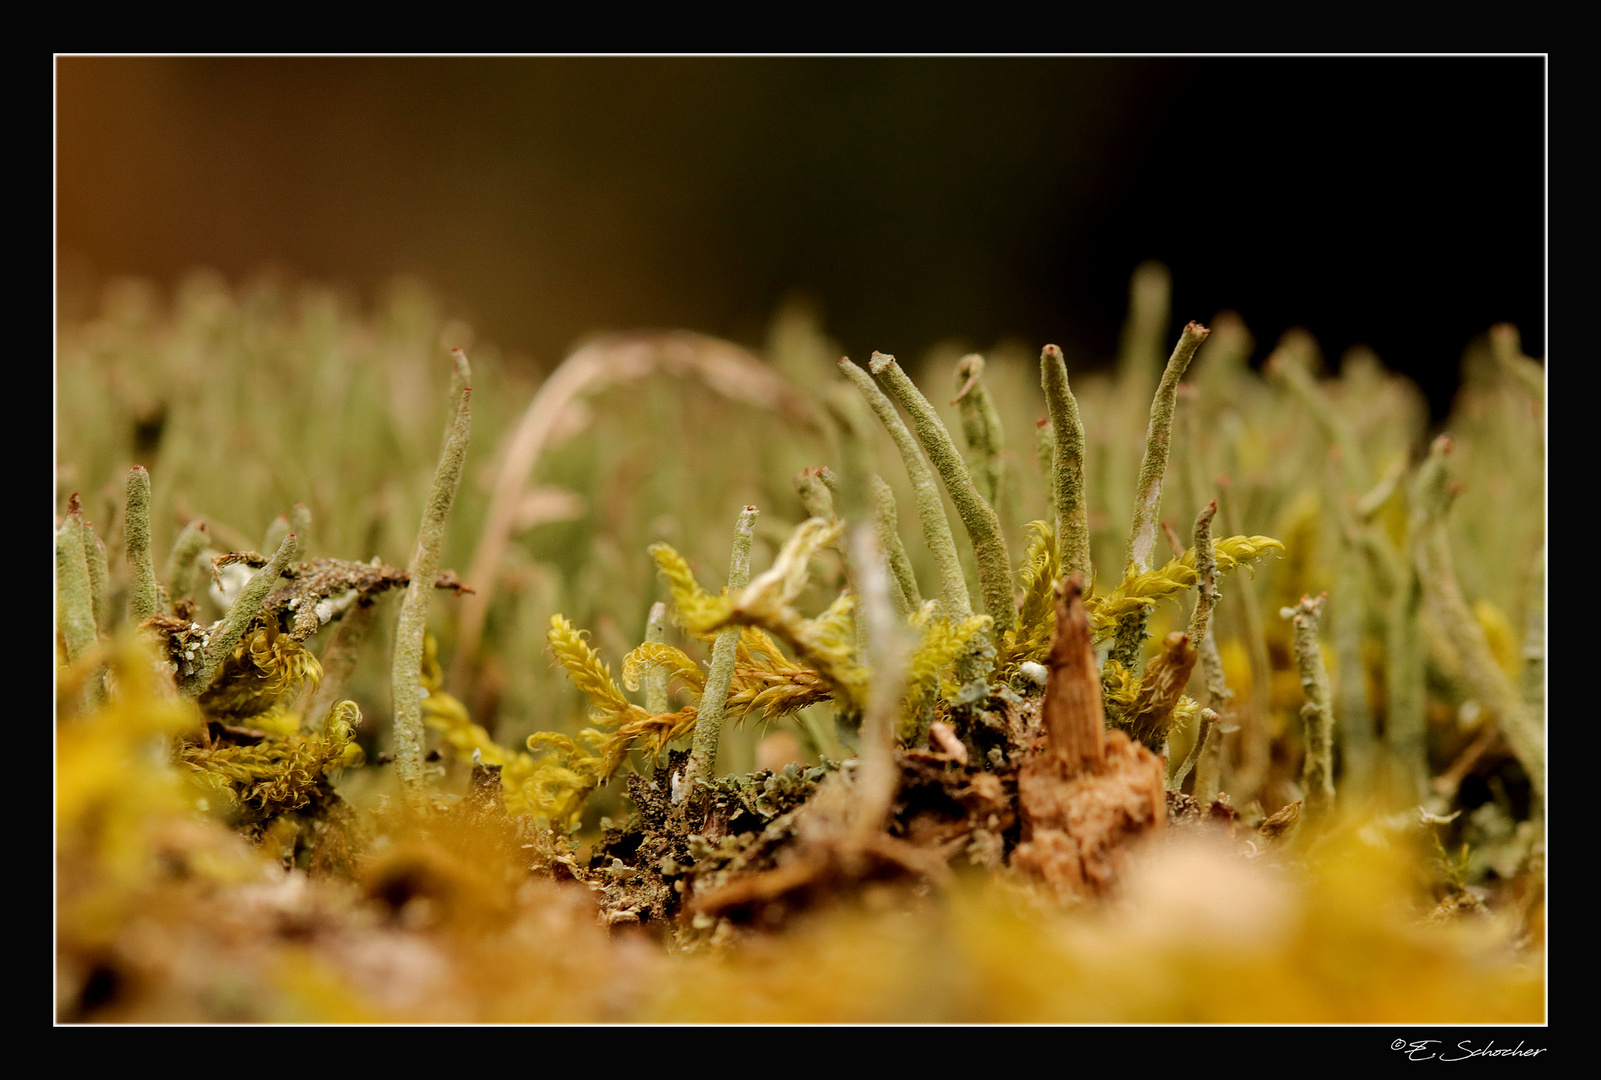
(1087, 792)
(1074, 720)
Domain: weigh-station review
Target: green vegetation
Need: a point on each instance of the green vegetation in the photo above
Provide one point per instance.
(351, 780)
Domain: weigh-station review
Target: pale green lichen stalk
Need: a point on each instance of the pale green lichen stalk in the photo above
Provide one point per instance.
(1148, 498)
(1061, 441)
(981, 428)
(241, 613)
(982, 523)
(94, 553)
(74, 591)
(142, 596)
(953, 596)
(904, 592)
(406, 676)
(183, 565)
(714, 699)
(1317, 772)
(1523, 732)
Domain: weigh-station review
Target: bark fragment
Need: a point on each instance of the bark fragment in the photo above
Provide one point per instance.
(1085, 793)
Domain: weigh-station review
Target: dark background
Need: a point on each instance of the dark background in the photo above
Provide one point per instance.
(1394, 202)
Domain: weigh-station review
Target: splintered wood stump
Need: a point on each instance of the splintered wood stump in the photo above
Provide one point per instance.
(1085, 792)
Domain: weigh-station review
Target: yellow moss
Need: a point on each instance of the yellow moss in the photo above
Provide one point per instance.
(1030, 639)
(1139, 591)
(278, 774)
(654, 654)
(942, 644)
(825, 644)
(1119, 691)
(1498, 632)
(261, 672)
(589, 673)
(564, 772)
(112, 781)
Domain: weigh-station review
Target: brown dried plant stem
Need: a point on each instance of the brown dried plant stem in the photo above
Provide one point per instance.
(1211, 661)
(724, 367)
(714, 699)
(411, 628)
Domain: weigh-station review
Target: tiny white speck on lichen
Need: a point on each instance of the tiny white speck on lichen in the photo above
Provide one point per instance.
(1034, 672)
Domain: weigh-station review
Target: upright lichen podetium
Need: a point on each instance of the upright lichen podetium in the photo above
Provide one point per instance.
(1524, 731)
(406, 677)
(709, 720)
(142, 601)
(953, 598)
(1062, 439)
(982, 523)
(981, 428)
(1148, 498)
(1317, 774)
(241, 613)
(1148, 494)
(74, 592)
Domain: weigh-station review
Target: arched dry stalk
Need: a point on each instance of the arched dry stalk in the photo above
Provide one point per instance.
(724, 367)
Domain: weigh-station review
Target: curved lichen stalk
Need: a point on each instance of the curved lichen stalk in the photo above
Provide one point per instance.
(953, 595)
(978, 517)
(981, 428)
(1148, 499)
(709, 724)
(1524, 731)
(406, 677)
(241, 613)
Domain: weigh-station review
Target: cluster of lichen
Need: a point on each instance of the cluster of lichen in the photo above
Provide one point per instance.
(1402, 699)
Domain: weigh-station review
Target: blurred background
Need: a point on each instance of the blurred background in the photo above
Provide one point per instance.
(1393, 202)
